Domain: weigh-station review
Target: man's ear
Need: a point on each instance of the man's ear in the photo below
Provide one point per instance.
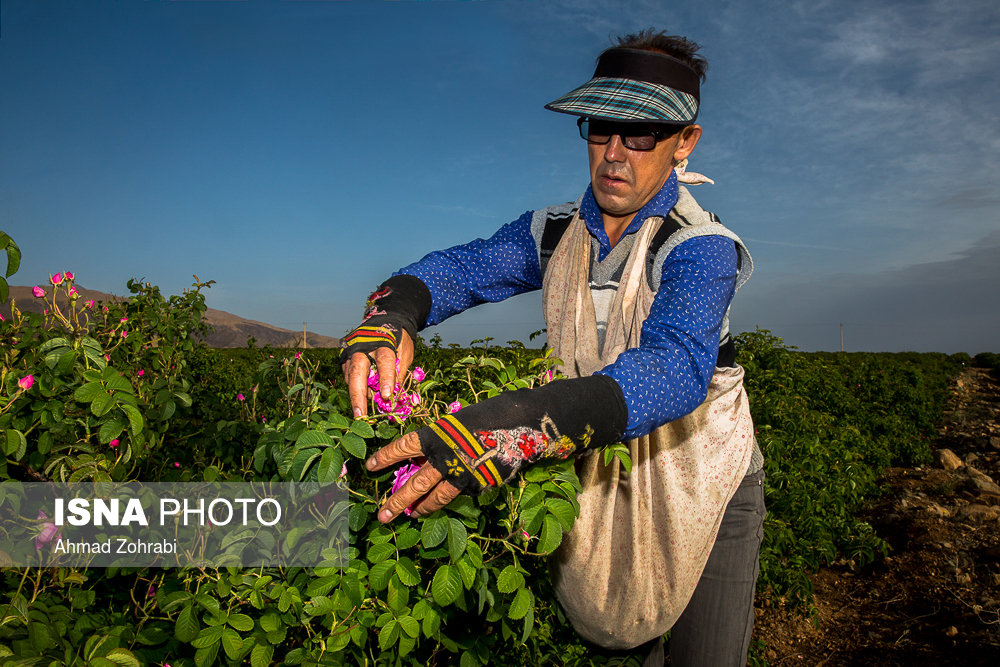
(689, 139)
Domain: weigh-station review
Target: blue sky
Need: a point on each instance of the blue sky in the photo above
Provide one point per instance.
(299, 152)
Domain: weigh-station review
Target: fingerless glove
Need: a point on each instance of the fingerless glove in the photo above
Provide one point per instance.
(486, 444)
(401, 303)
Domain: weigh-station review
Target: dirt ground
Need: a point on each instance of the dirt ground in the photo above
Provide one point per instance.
(936, 598)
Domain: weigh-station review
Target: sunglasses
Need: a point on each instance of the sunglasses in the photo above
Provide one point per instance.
(636, 138)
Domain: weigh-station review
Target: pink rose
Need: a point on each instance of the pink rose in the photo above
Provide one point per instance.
(343, 471)
(454, 407)
(49, 531)
(415, 398)
(240, 397)
(2, 318)
(125, 319)
(402, 474)
(418, 374)
(113, 443)
(72, 291)
(124, 333)
(26, 382)
(298, 355)
(141, 373)
(177, 464)
(37, 292)
(56, 279)
(69, 276)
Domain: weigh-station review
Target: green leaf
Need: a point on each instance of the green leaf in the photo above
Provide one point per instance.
(354, 445)
(330, 465)
(313, 439)
(88, 392)
(13, 258)
(410, 626)
(407, 572)
(551, 536)
(379, 552)
(15, 442)
(522, 602)
(261, 655)
(301, 462)
(52, 344)
(232, 643)
(270, 622)
(208, 636)
(532, 518)
(110, 430)
(118, 383)
(457, 538)
(510, 580)
(388, 635)
(362, 428)
(101, 403)
(135, 420)
(433, 531)
(446, 586)
(379, 575)
(563, 511)
(186, 627)
(123, 657)
(241, 622)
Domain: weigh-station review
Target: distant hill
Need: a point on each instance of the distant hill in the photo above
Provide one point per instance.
(229, 330)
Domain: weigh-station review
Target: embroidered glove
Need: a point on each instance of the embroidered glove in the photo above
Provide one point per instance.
(401, 303)
(485, 444)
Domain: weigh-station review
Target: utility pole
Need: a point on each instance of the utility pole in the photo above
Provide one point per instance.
(305, 344)
(841, 336)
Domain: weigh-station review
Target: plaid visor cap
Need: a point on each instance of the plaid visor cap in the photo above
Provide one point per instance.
(635, 85)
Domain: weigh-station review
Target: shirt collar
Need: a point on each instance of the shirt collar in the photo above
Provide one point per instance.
(661, 204)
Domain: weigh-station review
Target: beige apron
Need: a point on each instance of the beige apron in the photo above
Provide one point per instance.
(631, 563)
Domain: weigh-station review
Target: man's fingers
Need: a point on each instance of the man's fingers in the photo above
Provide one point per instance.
(406, 447)
(356, 370)
(442, 494)
(385, 361)
(415, 488)
(404, 355)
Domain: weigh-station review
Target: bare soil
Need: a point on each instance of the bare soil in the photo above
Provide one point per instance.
(936, 598)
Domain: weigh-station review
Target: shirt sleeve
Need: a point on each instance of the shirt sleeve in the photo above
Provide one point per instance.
(493, 269)
(667, 376)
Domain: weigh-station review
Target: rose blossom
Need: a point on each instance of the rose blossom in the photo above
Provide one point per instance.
(69, 276)
(418, 374)
(49, 531)
(56, 279)
(37, 292)
(402, 474)
(240, 397)
(454, 407)
(113, 443)
(26, 382)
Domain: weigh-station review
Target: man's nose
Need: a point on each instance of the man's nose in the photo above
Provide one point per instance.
(614, 150)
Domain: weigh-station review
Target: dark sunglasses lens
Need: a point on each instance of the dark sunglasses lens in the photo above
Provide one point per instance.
(640, 142)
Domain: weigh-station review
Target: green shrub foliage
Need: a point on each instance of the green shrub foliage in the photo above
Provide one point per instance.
(123, 391)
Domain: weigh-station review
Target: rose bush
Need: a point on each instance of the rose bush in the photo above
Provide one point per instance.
(123, 391)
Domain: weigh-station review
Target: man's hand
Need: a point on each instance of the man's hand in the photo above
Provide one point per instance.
(357, 366)
(427, 483)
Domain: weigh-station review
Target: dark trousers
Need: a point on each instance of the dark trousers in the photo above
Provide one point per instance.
(714, 629)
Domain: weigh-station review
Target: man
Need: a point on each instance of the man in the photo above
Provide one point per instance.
(637, 282)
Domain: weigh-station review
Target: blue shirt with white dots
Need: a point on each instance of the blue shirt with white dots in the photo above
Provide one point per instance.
(663, 379)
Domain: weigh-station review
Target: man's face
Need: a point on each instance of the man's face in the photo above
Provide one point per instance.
(623, 180)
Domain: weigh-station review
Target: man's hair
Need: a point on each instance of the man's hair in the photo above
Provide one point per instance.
(679, 47)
